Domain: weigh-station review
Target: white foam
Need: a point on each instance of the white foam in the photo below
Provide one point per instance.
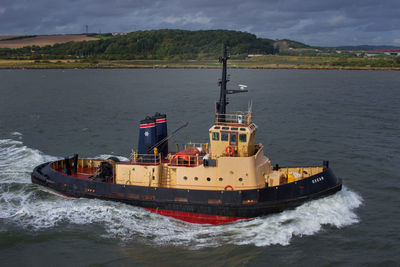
(16, 134)
(106, 156)
(31, 207)
(17, 161)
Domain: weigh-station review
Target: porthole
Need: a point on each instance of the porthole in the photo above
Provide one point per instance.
(208, 179)
(240, 179)
(220, 179)
(184, 178)
(196, 178)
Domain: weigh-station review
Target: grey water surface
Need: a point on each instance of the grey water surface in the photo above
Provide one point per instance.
(351, 118)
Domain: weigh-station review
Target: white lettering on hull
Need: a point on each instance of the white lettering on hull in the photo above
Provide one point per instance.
(317, 180)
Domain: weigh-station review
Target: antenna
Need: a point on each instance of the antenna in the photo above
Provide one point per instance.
(250, 106)
(221, 104)
(242, 86)
(87, 29)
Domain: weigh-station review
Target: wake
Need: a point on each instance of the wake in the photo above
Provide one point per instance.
(33, 208)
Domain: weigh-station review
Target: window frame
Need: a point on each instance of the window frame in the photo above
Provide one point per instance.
(240, 138)
(223, 134)
(215, 136)
(233, 142)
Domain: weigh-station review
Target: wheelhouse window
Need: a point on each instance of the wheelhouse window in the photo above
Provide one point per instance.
(224, 137)
(215, 136)
(242, 138)
(233, 139)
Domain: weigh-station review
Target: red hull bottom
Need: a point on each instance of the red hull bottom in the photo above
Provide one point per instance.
(197, 217)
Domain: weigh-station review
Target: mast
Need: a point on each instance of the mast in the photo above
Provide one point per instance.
(221, 104)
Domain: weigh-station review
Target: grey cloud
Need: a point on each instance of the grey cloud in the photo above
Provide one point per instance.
(316, 22)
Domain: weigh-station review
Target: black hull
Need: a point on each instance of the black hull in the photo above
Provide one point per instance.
(230, 204)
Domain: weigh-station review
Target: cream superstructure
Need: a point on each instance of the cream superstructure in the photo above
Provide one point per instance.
(230, 161)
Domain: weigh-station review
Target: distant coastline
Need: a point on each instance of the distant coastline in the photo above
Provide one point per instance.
(183, 49)
(151, 64)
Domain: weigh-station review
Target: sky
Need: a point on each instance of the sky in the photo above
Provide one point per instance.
(314, 22)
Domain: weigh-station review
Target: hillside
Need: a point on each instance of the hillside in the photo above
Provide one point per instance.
(367, 47)
(153, 44)
(286, 44)
(41, 40)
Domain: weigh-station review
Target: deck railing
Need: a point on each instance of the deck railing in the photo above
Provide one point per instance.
(150, 159)
(202, 147)
(234, 118)
(187, 161)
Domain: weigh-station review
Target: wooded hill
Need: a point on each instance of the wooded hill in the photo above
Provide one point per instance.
(153, 44)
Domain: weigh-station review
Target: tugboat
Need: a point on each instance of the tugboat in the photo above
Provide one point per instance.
(222, 181)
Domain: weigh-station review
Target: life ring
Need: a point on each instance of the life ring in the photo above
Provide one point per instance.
(229, 150)
(229, 186)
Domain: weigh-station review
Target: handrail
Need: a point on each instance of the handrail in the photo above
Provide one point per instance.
(234, 118)
(304, 171)
(189, 161)
(204, 147)
(145, 158)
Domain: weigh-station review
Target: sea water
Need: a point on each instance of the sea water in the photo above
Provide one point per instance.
(304, 117)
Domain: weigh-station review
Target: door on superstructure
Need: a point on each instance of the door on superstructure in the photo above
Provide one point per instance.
(233, 139)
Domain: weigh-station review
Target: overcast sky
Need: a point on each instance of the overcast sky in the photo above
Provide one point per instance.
(314, 22)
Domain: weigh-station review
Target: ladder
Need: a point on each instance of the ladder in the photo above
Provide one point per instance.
(165, 176)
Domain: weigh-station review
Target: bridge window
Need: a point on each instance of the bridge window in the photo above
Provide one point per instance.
(224, 137)
(233, 139)
(215, 136)
(242, 138)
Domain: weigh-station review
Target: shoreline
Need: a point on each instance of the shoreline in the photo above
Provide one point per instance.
(192, 64)
(194, 67)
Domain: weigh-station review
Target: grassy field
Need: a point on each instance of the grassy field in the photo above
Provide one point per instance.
(5, 37)
(301, 58)
(42, 40)
(266, 62)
